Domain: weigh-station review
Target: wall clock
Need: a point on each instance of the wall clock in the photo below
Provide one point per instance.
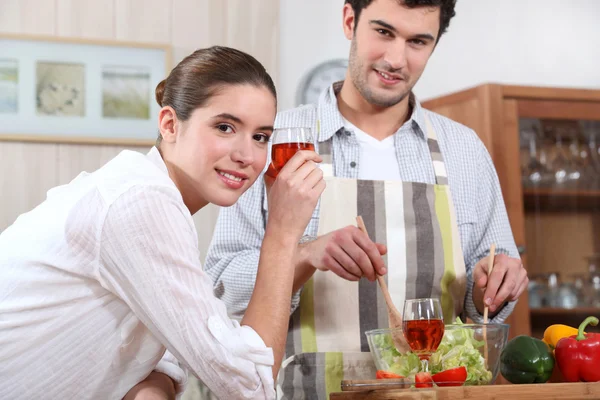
(318, 78)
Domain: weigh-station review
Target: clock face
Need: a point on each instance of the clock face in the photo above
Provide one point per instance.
(318, 79)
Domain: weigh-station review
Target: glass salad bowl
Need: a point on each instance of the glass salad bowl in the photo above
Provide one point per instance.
(463, 345)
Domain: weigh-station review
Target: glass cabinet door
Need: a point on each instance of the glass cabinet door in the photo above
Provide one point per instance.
(560, 177)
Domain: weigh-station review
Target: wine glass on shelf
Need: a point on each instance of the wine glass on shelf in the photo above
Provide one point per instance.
(285, 143)
(423, 327)
(578, 157)
(592, 172)
(560, 161)
(534, 173)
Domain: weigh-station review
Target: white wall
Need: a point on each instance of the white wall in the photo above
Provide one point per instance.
(527, 42)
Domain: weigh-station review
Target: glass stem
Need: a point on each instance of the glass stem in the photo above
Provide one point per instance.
(425, 365)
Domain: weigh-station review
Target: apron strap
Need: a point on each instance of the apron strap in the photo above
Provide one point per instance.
(439, 167)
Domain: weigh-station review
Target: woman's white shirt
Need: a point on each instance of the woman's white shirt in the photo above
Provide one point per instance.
(97, 280)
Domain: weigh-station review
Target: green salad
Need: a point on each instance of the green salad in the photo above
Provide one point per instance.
(458, 348)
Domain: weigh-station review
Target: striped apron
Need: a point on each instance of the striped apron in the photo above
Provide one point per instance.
(326, 340)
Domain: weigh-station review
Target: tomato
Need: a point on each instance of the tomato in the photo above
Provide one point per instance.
(451, 377)
(423, 380)
(387, 375)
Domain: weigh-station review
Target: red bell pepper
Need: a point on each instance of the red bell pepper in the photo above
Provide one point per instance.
(578, 357)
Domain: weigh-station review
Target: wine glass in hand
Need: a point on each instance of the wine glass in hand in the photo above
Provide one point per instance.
(285, 143)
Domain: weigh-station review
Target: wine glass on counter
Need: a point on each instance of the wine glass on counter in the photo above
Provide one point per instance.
(285, 143)
(423, 327)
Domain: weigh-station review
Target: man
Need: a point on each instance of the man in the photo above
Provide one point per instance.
(425, 185)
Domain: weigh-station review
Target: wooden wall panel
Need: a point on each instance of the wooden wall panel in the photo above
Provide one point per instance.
(195, 23)
(249, 25)
(75, 158)
(85, 18)
(34, 17)
(251, 32)
(143, 21)
(29, 170)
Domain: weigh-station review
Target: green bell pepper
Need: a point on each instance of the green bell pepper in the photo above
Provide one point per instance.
(526, 360)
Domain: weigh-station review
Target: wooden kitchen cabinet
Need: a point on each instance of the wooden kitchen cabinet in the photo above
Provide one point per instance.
(555, 224)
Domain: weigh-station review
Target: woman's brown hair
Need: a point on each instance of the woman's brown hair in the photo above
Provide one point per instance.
(201, 75)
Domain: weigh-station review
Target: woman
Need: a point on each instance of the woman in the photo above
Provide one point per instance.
(104, 275)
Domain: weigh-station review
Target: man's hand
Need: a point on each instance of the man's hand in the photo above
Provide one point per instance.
(348, 253)
(157, 386)
(506, 283)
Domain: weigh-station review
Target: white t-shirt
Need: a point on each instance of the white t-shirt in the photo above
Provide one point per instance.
(97, 280)
(378, 160)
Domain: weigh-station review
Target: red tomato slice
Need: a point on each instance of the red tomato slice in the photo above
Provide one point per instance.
(451, 377)
(387, 375)
(423, 380)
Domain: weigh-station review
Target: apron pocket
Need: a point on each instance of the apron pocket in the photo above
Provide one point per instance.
(313, 376)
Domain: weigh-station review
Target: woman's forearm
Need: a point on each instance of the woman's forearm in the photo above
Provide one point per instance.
(268, 312)
(157, 386)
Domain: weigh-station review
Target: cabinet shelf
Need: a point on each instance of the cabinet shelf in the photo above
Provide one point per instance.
(542, 318)
(560, 199)
(558, 311)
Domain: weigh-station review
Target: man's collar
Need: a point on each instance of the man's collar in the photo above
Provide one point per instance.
(331, 121)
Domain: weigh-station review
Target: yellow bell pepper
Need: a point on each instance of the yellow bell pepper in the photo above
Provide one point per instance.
(554, 333)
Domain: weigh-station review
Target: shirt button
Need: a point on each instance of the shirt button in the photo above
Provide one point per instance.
(353, 164)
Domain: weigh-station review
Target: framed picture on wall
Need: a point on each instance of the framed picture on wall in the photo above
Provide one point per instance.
(80, 91)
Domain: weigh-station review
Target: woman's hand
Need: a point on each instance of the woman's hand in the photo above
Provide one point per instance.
(293, 196)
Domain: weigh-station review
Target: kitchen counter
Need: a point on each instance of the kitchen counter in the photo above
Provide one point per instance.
(545, 391)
